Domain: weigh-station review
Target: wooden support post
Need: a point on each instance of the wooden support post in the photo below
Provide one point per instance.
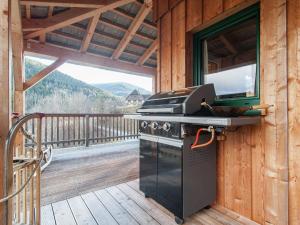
(18, 68)
(87, 130)
(42, 74)
(4, 97)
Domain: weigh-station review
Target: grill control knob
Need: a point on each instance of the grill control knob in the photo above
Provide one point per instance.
(154, 125)
(144, 124)
(166, 127)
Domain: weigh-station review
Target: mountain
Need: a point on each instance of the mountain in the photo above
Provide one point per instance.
(121, 88)
(58, 84)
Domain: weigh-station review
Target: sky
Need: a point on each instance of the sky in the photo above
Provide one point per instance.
(93, 75)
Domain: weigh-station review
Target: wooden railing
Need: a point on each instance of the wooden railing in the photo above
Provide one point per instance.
(22, 170)
(67, 130)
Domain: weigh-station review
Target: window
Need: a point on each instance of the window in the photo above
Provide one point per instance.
(227, 55)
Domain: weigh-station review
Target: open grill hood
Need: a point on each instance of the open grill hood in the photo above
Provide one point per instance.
(186, 101)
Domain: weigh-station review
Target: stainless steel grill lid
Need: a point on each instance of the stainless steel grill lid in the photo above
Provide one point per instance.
(185, 101)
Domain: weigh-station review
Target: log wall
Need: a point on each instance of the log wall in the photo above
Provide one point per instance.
(257, 165)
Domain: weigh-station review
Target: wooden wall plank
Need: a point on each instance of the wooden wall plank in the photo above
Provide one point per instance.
(231, 3)
(166, 52)
(4, 89)
(220, 174)
(257, 169)
(211, 9)
(294, 109)
(158, 69)
(237, 167)
(273, 66)
(194, 15)
(178, 46)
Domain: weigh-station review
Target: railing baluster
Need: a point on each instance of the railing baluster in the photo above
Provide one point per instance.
(87, 130)
(46, 131)
(74, 130)
(117, 128)
(79, 134)
(113, 129)
(57, 131)
(93, 129)
(52, 130)
(97, 129)
(69, 131)
(101, 131)
(63, 131)
(124, 134)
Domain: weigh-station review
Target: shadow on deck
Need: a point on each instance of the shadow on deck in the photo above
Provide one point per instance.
(75, 171)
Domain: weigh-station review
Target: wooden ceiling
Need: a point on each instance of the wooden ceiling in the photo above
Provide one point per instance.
(112, 34)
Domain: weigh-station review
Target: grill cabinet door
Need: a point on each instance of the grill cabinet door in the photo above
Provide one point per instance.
(169, 178)
(148, 167)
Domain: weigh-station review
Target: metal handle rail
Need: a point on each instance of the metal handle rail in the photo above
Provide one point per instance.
(34, 218)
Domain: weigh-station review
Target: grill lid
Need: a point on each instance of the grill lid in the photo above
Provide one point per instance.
(185, 101)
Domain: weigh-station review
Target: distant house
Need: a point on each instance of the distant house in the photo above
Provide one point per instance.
(136, 98)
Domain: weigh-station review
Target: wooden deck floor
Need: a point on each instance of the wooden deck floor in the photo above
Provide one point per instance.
(124, 204)
(75, 171)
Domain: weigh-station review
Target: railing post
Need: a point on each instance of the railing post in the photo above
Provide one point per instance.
(87, 130)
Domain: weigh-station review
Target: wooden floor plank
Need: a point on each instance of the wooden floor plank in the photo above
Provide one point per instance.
(226, 220)
(47, 215)
(81, 212)
(205, 219)
(147, 205)
(125, 204)
(100, 213)
(116, 210)
(134, 209)
(63, 214)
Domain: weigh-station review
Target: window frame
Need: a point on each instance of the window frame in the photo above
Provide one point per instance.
(250, 12)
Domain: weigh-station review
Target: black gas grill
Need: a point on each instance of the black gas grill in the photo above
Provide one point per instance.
(179, 178)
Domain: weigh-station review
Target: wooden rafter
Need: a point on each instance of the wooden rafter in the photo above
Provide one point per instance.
(43, 74)
(228, 45)
(97, 45)
(71, 16)
(88, 59)
(129, 16)
(89, 32)
(69, 3)
(148, 53)
(109, 36)
(134, 26)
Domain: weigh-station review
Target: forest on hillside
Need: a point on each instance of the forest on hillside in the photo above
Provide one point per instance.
(60, 93)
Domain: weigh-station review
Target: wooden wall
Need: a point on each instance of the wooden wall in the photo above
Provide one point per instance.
(258, 165)
(294, 109)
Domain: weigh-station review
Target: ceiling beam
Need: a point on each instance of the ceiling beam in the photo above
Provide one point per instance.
(228, 45)
(134, 26)
(43, 74)
(148, 53)
(89, 33)
(123, 13)
(68, 17)
(69, 3)
(88, 59)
